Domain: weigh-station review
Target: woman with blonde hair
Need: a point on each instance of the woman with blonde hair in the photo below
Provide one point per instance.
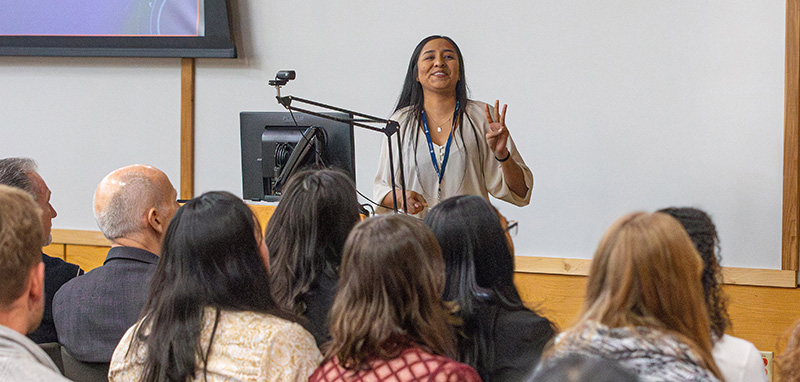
(644, 304)
(388, 322)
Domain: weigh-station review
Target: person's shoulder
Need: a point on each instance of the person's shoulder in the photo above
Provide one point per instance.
(454, 371)
(523, 318)
(734, 352)
(401, 115)
(474, 106)
(31, 371)
(55, 265)
(732, 343)
(277, 328)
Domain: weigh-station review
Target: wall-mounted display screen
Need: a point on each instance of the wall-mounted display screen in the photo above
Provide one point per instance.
(151, 28)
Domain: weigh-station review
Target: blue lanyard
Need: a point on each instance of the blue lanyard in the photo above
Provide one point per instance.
(430, 144)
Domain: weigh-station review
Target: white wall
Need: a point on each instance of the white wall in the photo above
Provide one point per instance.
(617, 105)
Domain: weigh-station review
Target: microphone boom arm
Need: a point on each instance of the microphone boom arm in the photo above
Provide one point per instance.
(390, 128)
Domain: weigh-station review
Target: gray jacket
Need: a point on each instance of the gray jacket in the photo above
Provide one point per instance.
(22, 360)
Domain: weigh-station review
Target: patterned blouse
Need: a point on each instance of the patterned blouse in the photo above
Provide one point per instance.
(247, 346)
(653, 355)
(413, 364)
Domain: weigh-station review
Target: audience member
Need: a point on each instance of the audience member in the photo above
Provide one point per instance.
(787, 365)
(305, 237)
(738, 359)
(133, 206)
(577, 368)
(23, 173)
(500, 337)
(21, 289)
(388, 322)
(210, 315)
(644, 306)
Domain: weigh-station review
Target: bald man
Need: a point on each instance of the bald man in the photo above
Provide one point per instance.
(133, 206)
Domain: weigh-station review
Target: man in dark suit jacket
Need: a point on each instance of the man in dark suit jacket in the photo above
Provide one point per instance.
(23, 173)
(133, 206)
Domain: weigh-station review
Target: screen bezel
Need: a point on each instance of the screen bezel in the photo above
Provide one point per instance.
(216, 43)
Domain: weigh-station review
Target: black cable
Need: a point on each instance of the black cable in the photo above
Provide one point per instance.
(373, 202)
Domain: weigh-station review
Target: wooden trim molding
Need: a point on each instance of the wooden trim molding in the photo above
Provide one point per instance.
(187, 128)
(79, 237)
(580, 267)
(523, 264)
(791, 141)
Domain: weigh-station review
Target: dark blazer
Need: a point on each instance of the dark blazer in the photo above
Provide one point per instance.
(516, 339)
(56, 273)
(92, 312)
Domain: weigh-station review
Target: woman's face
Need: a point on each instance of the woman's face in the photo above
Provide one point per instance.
(437, 67)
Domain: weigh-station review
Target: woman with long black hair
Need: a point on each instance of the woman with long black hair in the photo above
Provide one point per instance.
(451, 145)
(210, 315)
(501, 338)
(305, 237)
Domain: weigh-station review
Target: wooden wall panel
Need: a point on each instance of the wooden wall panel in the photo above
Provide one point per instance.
(88, 257)
(761, 315)
(54, 250)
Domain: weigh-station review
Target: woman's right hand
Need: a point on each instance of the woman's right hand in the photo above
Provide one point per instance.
(416, 202)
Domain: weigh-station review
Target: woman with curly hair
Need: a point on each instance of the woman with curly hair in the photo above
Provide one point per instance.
(738, 359)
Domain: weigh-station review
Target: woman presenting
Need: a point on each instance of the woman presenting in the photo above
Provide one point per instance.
(451, 145)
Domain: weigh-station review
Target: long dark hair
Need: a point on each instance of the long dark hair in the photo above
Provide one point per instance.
(479, 267)
(306, 234)
(411, 96)
(388, 299)
(210, 257)
(703, 233)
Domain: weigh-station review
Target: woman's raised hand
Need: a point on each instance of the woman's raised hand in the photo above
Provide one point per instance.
(497, 136)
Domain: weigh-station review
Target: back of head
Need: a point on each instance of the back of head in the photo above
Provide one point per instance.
(14, 172)
(210, 258)
(124, 196)
(211, 254)
(306, 234)
(703, 233)
(390, 282)
(475, 251)
(576, 368)
(20, 242)
(646, 273)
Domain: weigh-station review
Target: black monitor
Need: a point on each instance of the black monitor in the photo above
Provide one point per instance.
(275, 146)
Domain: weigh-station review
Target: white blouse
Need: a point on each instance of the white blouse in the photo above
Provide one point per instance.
(471, 168)
(247, 346)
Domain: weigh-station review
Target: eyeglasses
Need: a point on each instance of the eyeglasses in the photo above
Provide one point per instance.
(511, 228)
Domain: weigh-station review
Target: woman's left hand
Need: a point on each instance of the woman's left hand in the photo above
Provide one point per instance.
(497, 136)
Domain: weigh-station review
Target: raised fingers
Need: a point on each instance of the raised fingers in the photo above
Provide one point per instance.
(488, 115)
